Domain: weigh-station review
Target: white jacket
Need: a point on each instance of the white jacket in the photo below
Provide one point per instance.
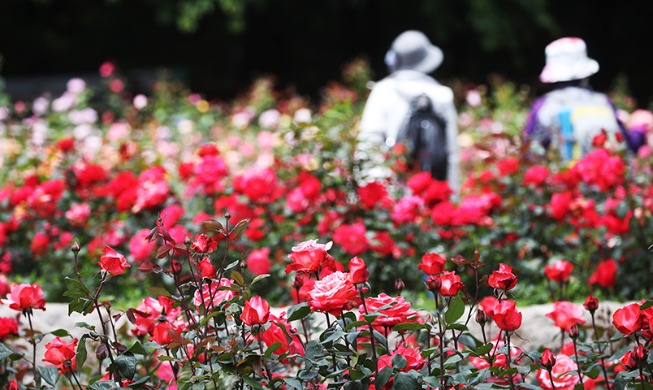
(387, 108)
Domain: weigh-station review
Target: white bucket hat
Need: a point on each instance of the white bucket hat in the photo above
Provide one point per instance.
(566, 60)
(412, 50)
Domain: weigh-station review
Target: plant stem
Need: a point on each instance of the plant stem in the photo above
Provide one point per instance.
(28, 313)
(508, 361)
(372, 341)
(580, 375)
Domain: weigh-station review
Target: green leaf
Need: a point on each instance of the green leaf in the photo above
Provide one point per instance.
(405, 381)
(126, 364)
(383, 377)
(399, 362)
(238, 278)
(258, 278)
(240, 226)
(104, 385)
(271, 349)
(159, 291)
(80, 356)
(293, 384)
(137, 349)
(254, 383)
(6, 352)
(75, 288)
(455, 311)
(61, 333)
(298, 311)
(409, 326)
(50, 374)
(646, 304)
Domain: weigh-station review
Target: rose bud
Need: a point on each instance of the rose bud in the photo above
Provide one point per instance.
(573, 331)
(399, 285)
(591, 304)
(358, 273)
(481, 317)
(433, 283)
(548, 360)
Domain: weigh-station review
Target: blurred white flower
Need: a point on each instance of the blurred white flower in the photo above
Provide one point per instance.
(86, 115)
(140, 101)
(39, 130)
(243, 118)
(64, 102)
(40, 106)
(82, 131)
(269, 119)
(186, 126)
(4, 113)
(118, 131)
(303, 115)
(473, 98)
(76, 85)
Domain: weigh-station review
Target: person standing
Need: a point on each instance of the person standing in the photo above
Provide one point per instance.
(569, 116)
(410, 60)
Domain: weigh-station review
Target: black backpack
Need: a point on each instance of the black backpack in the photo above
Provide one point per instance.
(425, 137)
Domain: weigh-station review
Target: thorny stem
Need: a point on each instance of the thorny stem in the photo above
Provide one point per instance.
(372, 341)
(595, 336)
(172, 365)
(28, 313)
(260, 346)
(580, 375)
(344, 326)
(104, 337)
(441, 345)
(508, 361)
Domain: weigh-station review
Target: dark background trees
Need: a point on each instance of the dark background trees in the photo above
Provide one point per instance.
(218, 46)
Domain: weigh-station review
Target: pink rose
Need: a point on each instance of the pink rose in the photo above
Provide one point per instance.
(566, 314)
(308, 256)
(563, 377)
(333, 294)
(112, 261)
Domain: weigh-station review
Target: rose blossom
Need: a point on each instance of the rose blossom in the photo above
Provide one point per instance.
(432, 264)
(414, 359)
(139, 248)
(506, 316)
(628, 319)
(399, 311)
(258, 261)
(451, 284)
(605, 274)
(256, 311)
(25, 297)
(566, 314)
(358, 272)
(151, 312)
(351, 238)
(211, 294)
(563, 378)
(371, 194)
(8, 327)
(206, 268)
(503, 278)
(559, 271)
(333, 294)
(61, 354)
(112, 261)
(308, 256)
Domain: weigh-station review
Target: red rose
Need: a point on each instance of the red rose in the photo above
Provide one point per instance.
(39, 244)
(489, 305)
(383, 244)
(310, 186)
(206, 268)
(66, 144)
(605, 274)
(506, 316)
(632, 360)
(443, 213)
(112, 261)
(308, 257)
(451, 284)
(208, 150)
(628, 319)
(508, 166)
(548, 359)
(371, 194)
(210, 170)
(203, 244)
(8, 327)
(437, 191)
(161, 334)
(559, 271)
(212, 295)
(358, 272)
(171, 215)
(407, 210)
(151, 312)
(566, 314)
(78, 214)
(591, 303)
(432, 264)
(559, 205)
(277, 333)
(24, 297)
(396, 311)
(61, 354)
(257, 184)
(536, 175)
(503, 278)
(419, 182)
(333, 294)
(351, 238)
(139, 248)
(414, 359)
(258, 261)
(561, 372)
(256, 311)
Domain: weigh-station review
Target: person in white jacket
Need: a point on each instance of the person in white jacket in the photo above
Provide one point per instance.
(410, 59)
